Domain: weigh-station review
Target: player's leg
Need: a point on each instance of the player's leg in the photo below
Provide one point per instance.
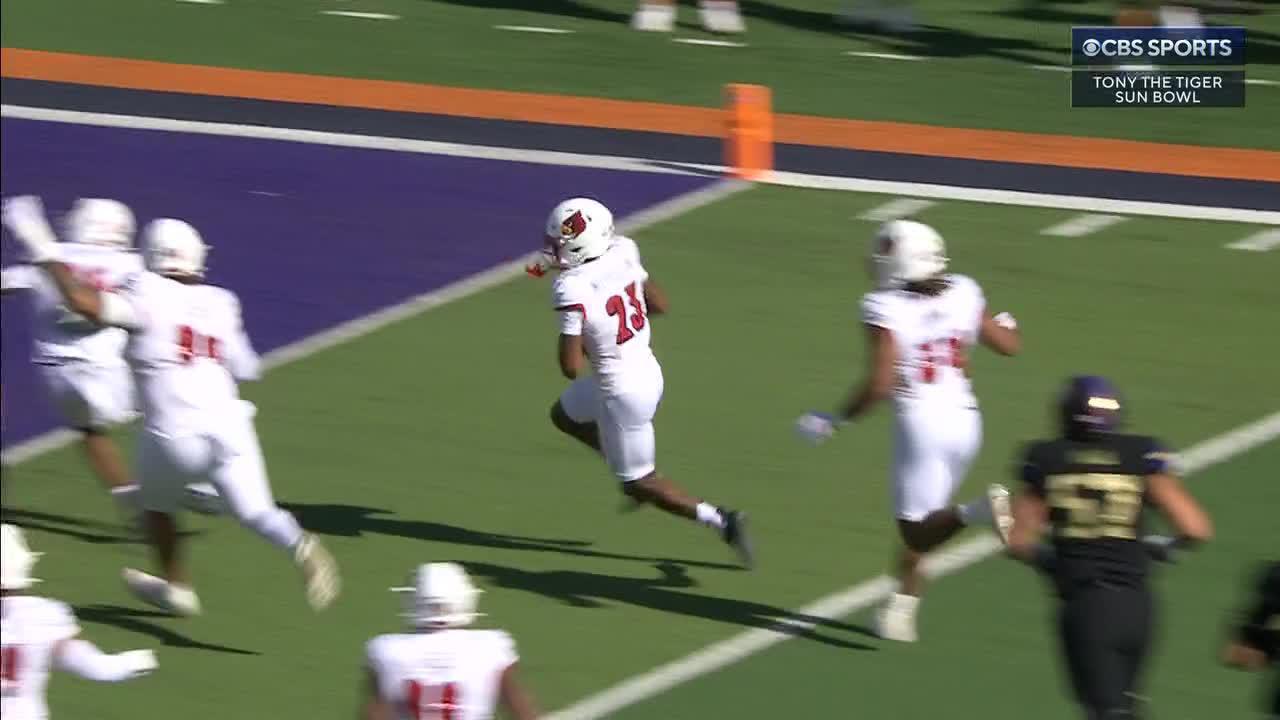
(240, 474)
(1092, 636)
(90, 399)
(630, 447)
(164, 466)
(654, 16)
(1136, 623)
(938, 451)
(576, 411)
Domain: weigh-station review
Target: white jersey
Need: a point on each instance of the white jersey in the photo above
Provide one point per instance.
(30, 630)
(187, 347)
(603, 301)
(451, 674)
(60, 335)
(932, 336)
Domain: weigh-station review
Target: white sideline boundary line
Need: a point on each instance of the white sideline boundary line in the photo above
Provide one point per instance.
(466, 287)
(1082, 203)
(862, 595)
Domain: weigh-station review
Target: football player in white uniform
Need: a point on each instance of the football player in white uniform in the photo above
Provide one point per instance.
(921, 322)
(81, 362)
(604, 298)
(441, 669)
(187, 348)
(38, 634)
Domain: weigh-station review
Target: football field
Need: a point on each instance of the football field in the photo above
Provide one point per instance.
(405, 420)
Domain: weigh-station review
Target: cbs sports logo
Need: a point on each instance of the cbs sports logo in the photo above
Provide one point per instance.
(1158, 48)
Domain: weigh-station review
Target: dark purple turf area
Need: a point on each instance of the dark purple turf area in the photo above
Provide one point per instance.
(308, 235)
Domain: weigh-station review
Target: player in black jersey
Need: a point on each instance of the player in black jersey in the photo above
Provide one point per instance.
(1255, 644)
(1088, 488)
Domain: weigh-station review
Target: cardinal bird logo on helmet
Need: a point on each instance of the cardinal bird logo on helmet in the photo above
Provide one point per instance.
(573, 226)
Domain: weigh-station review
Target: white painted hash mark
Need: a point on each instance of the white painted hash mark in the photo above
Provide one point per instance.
(884, 56)
(533, 29)
(709, 43)
(361, 15)
(1258, 242)
(1082, 225)
(896, 209)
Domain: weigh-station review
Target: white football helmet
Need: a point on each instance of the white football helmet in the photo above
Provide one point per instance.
(16, 559)
(904, 251)
(98, 221)
(174, 248)
(441, 596)
(578, 230)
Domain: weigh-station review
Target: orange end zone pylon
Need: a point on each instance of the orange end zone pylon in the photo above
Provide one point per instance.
(748, 145)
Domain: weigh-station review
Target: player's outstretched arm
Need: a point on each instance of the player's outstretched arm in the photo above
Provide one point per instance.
(514, 698)
(373, 707)
(1000, 333)
(1029, 516)
(877, 384)
(83, 658)
(655, 298)
(1182, 510)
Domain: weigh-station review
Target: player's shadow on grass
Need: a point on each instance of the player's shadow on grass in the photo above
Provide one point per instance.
(567, 8)
(139, 621)
(94, 532)
(594, 590)
(354, 520)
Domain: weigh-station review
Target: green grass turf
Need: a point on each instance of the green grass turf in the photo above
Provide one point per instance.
(400, 451)
(978, 74)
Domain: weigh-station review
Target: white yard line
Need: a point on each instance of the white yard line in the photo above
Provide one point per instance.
(1260, 81)
(1082, 203)
(857, 597)
(533, 29)
(360, 15)
(896, 209)
(202, 2)
(1258, 242)
(1082, 225)
(361, 326)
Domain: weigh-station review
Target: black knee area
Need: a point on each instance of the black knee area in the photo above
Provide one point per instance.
(561, 419)
(91, 431)
(640, 488)
(911, 534)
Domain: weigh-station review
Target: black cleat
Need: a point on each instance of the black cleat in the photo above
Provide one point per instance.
(735, 534)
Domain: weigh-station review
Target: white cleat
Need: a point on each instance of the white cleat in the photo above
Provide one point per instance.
(897, 619)
(203, 498)
(654, 17)
(1001, 511)
(319, 570)
(177, 599)
(721, 16)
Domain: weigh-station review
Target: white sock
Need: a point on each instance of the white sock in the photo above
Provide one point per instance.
(974, 512)
(904, 603)
(278, 527)
(710, 516)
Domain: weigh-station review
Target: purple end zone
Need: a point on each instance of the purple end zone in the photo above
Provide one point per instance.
(310, 236)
